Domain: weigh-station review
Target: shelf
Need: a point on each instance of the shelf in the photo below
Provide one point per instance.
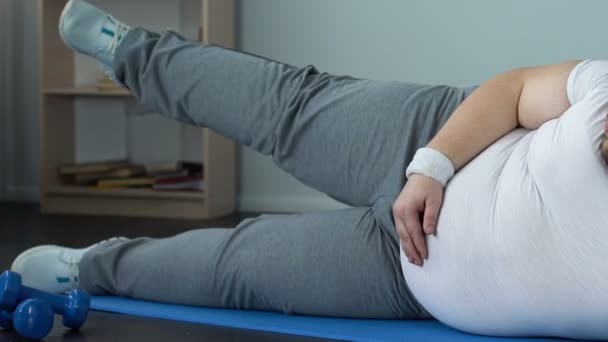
(64, 199)
(133, 193)
(66, 82)
(87, 91)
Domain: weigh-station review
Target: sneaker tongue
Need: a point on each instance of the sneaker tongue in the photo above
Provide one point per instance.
(72, 259)
(69, 256)
(64, 256)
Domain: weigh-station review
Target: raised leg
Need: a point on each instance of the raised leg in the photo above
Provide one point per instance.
(340, 135)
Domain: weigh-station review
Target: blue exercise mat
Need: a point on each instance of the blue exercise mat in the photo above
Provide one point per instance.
(333, 328)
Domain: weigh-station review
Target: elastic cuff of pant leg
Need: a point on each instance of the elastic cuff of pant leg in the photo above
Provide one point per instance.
(86, 282)
(83, 277)
(121, 52)
(88, 262)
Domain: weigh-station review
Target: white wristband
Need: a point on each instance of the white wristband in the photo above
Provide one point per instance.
(433, 164)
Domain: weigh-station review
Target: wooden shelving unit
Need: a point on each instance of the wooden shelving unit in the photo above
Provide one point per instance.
(58, 138)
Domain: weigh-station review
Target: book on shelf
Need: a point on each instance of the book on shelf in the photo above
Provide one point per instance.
(162, 168)
(186, 183)
(174, 175)
(163, 176)
(125, 183)
(177, 176)
(122, 172)
(96, 167)
(180, 183)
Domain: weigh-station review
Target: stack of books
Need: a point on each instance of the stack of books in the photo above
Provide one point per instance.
(177, 175)
(166, 176)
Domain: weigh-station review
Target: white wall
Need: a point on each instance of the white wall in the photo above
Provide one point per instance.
(20, 117)
(434, 41)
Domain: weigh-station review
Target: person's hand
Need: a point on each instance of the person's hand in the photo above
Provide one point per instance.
(421, 197)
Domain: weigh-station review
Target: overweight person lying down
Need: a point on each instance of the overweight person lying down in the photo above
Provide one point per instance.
(531, 254)
(519, 243)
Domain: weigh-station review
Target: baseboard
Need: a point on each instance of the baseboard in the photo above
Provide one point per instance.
(287, 204)
(16, 193)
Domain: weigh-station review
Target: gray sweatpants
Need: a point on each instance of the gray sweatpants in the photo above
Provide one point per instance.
(350, 138)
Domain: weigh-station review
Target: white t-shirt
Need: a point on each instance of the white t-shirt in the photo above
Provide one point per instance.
(522, 238)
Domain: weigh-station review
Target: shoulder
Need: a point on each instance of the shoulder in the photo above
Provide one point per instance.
(586, 78)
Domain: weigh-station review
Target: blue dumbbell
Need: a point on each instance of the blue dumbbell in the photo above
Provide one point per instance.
(74, 307)
(33, 319)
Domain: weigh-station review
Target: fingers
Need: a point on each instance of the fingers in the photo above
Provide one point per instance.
(431, 212)
(414, 228)
(416, 212)
(406, 241)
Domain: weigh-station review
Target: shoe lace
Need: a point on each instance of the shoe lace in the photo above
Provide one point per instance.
(119, 31)
(73, 264)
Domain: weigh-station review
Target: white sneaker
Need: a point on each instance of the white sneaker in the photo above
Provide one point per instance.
(52, 268)
(92, 32)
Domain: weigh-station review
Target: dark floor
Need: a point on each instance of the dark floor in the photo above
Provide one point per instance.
(22, 227)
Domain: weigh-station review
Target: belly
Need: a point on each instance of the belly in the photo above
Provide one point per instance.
(504, 281)
(497, 266)
(461, 260)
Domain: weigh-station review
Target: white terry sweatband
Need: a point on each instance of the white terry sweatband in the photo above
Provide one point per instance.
(433, 164)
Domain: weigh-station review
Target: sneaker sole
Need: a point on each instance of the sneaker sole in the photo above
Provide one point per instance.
(65, 11)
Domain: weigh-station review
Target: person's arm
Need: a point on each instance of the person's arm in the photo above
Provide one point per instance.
(526, 97)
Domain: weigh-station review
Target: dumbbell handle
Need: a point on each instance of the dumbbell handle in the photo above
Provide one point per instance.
(58, 303)
(6, 315)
